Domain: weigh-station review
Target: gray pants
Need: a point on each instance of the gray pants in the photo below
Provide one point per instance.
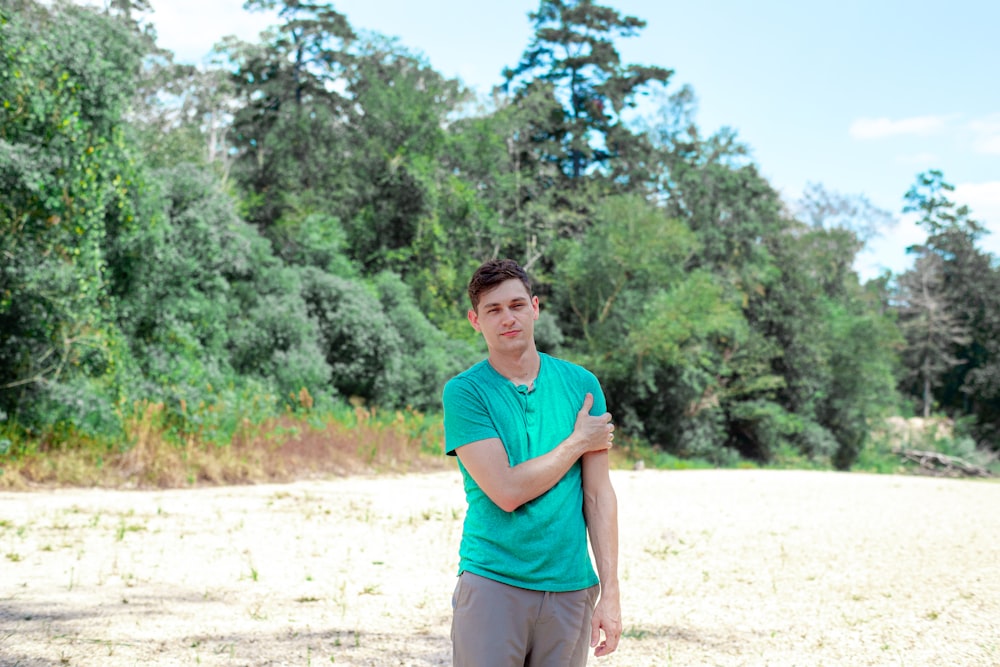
(496, 625)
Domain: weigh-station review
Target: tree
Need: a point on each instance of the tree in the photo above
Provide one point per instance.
(825, 209)
(928, 198)
(127, 8)
(361, 345)
(713, 186)
(568, 140)
(573, 59)
(393, 160)
(428, 357)
(775, 389)
(289, 131)
(68, 179)
(184, 114)
(933, 332)
(204, 302)
(131, 13)
(967, 289)
(736, 217)
(653, 332)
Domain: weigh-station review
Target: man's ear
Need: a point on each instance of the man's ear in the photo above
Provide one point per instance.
(535, 307)
(474, 319)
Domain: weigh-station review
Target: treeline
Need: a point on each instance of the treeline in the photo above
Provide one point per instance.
(292, 229)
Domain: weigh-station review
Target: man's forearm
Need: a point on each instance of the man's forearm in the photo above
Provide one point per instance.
(508, 486)
(601, 512)
(600, 508)
(530, 479)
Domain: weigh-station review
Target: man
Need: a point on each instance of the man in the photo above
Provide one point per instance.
(532, 436)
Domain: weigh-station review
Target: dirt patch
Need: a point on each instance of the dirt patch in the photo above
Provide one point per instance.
(717, 568)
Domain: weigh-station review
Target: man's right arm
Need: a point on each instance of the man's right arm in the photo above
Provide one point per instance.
(508, 486)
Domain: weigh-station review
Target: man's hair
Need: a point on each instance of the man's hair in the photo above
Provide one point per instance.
(491, 274)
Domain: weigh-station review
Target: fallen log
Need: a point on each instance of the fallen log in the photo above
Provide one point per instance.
(939, 463)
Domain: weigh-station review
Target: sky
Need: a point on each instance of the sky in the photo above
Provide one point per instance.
(859, 96)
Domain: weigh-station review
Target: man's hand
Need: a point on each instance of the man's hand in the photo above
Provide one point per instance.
(593, 434)
(607, 617)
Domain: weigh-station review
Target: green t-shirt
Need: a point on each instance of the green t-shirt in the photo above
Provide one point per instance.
(541, 545)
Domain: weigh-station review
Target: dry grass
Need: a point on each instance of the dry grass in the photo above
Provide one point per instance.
(278, 450)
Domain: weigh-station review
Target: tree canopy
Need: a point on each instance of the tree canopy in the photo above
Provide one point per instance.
(301, 218)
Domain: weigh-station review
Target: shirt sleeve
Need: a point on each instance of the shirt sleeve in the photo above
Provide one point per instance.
(594, 387)
(466, 417)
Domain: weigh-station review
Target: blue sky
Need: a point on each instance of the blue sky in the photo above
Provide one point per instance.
(859, 96)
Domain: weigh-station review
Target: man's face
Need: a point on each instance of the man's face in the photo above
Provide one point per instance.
(506, 317)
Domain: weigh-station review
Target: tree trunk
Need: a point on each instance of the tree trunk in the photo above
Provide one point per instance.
(927, 396)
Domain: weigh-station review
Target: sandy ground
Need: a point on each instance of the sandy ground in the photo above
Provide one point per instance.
(717, 568)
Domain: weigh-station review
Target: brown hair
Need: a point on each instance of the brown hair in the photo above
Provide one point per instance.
(492, 273)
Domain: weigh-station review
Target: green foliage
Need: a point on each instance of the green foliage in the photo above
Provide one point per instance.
(838, 348)
(928, 197)
(296, 226)
(573, 58)
(181, 113)
(566, 140)
(273, 336)
(678, 325)
(379, 346)
(638, 452)
(360, 344)
(287, 129)
(204, 301)
(313, 239)
(67, 177)
(395, 145)
(428, 357)
(220, 413)
(652, 332)
(632, 251)
(761, 427)
(862, 375)
(948, 305)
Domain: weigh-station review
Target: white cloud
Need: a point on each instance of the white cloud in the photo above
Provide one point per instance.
(888, 251)
(983, 199)
(986, 134)
(989, 145)
(190, 28)
(878, 128)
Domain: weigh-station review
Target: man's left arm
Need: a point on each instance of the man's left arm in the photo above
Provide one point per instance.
(600, 509)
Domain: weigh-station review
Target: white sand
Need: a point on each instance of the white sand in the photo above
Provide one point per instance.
(717, 568)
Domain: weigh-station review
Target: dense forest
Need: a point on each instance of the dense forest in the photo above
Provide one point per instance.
(290, 231)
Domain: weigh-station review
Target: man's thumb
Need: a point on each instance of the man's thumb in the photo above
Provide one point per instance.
(588, 402)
